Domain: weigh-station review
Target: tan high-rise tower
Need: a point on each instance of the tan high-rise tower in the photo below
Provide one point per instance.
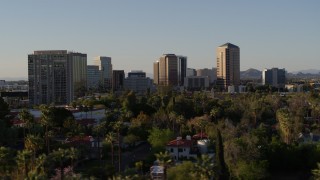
(170, 70)
(228, 65)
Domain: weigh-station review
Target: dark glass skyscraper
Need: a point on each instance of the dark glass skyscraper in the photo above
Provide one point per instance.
(274, 77)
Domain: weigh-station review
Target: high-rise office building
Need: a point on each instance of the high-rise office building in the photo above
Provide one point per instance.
(211, 73)
(274, 77)
(137, 73)
(191, 72)
(170, 70)
(93, 77)
(196, 82)
(79, 73)
(137, 82)
(228, 65)
(182, 69)
(117, 80)
(156, 72)
(56, 76)
(105, 68)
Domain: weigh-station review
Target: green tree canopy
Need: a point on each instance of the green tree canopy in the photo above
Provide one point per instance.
(158, 138)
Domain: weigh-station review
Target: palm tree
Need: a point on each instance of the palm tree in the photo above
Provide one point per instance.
(127, 115)
(215, 111)
(33, 143)
(164, 158)
(316, 172)
(99, 129)
(110, 137)
(24, 160)
(46, 120)
(73, 154)
(117, 126)
(202, 124)
(26, 117)
(172, 118)
(6, 162)
(180, 120)
(139, 166)
(60, 156)
(39, 172)
(204, 167)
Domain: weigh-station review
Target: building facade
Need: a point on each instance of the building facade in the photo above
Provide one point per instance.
(274, 77)
(170, 70)
(196, 82)
(93, 77)
(191, 72)
(78, 64)
(55, 76)
(228, 65)
(117, 80)
(182, 69)
(139, 74)
(138, 82)
(105, 67)
(156, 72)
(211, 73)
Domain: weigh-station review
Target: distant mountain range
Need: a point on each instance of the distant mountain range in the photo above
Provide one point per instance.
(256, 74)
(307, 71)
(14, 78)
(250, 74)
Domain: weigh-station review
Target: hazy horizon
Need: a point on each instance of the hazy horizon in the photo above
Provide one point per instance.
(270, 34)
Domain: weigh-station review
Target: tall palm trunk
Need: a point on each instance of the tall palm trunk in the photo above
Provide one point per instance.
(99, 149)
(25, 169)
(61, 170)
(47, 140)
(119, 151)
(112, 154)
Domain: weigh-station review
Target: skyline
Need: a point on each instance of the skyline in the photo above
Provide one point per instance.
(135, 34)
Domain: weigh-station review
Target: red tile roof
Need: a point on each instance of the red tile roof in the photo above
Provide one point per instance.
(16, 122)
(86, 122)
(200, 136)
(79, 138)
(180, 143)
(14, 113)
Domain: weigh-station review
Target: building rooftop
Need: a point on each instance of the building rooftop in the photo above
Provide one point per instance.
(200, 136)
(180, 143)
(229, 45)
(50, 52)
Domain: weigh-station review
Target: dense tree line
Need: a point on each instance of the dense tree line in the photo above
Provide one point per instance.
(257, 135)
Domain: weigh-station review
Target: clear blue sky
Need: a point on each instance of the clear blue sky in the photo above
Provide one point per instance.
(135, 33)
